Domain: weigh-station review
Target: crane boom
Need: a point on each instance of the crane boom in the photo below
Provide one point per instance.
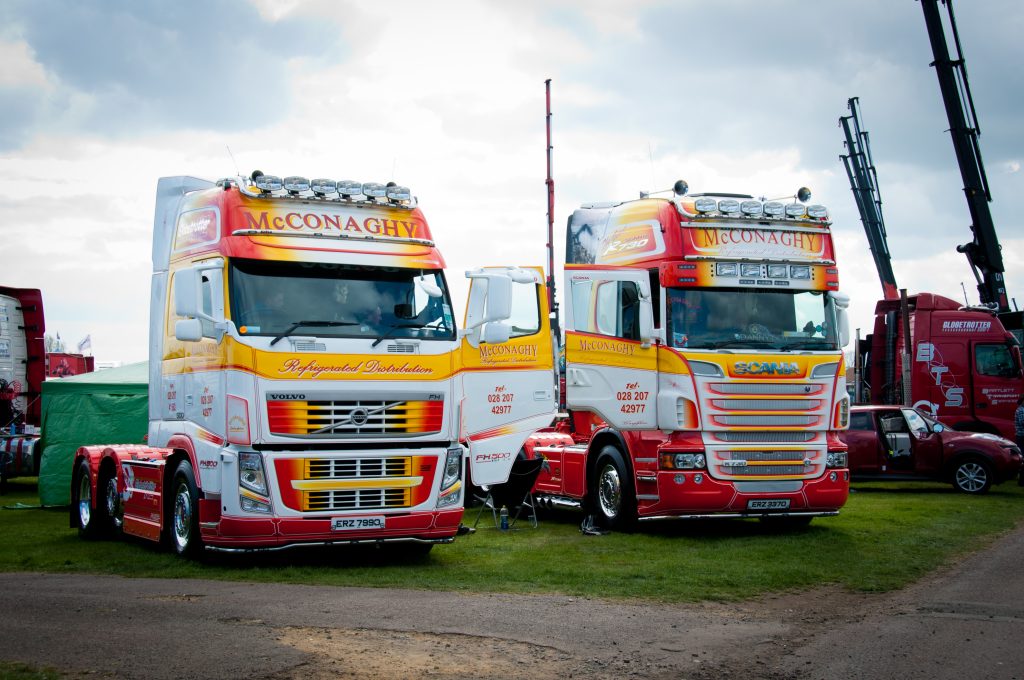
(983, 252)
(860, 168)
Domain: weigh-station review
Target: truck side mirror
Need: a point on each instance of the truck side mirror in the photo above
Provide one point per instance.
(842, 302)
(495, 332)
(499, 299)
(188, 330)
(646, 322)
(186, 293)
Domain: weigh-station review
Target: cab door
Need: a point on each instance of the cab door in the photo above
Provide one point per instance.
(507, 376)
(611, 366)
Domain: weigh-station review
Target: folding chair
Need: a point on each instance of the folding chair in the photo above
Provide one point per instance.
(515, 494)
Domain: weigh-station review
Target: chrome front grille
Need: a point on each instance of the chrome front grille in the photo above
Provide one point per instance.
(765, 388)
(766, 404)
(357, 499)
(768, 456)
(764, 436)
(369, 416)
(765, 421)
(354, 468)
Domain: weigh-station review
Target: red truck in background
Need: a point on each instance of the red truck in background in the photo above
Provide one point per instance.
(22, 371)
(963, 366)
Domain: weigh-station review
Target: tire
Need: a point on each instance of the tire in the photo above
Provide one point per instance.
(183, 528)
(972, 476)
(613, 498)
(110, 499)
(92, 521)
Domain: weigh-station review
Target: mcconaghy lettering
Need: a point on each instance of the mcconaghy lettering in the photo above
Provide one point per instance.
(789, 239)
(326, 222)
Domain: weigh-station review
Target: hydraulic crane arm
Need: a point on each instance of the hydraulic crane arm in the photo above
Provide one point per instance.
(983, 253)
(864, 184)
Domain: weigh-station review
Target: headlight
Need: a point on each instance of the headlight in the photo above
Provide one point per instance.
(250, 472)
(452, 468)
(683, 461)
(255, 505)
(836, 459)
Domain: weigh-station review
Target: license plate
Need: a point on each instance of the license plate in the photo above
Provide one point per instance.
(773, 504)
(357, 523)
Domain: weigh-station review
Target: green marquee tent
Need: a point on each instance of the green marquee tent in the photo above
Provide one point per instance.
(105, 407)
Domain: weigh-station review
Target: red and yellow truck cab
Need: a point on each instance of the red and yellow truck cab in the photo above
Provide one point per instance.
(704, 373)
(307, 381)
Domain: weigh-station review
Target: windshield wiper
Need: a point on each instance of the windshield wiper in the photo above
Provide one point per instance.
(311, 324)
(808, 344)
(392, 329)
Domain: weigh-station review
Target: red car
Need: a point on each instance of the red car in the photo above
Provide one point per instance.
(901, 443)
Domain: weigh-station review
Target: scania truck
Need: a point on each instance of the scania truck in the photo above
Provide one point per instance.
(704, 373)
(308, 384)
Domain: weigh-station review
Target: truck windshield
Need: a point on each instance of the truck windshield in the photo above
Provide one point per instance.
(331, 300)
(757, 319)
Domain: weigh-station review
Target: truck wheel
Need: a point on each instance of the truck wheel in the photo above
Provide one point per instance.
(612, 492)
(111, 501)
(91, 521)
(972, 475)
(184, 525)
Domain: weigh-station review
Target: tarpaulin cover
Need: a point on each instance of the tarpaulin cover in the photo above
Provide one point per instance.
(105, 407)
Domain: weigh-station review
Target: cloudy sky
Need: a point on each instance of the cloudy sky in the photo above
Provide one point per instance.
(99, 99)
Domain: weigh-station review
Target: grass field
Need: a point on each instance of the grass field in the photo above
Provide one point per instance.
(886, 537)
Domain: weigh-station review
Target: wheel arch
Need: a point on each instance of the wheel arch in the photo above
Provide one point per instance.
(967, 454)
(608, 437)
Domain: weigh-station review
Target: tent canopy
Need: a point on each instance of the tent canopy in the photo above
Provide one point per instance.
(104, 407)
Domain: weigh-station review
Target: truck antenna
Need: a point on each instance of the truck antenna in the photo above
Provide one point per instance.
(238, 173)
(552, 305)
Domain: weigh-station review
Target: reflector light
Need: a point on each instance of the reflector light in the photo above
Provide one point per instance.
(399, 194)
(751, 208)
(269, 183)
(705, 205)
(322, 187)
(295, 184)
(347, 187)
(375, 190)
(728, 206)
(773, 208)
(750, 270)
(817, 211)
(796, 210)
(777, 271)
(800, 272)
(725, 269)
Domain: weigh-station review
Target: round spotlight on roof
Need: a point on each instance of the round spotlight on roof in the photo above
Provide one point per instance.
(322, 187)
(728, 206)
(705, 205)
(398, 194)
(817, 211)
(803, 194)
(294, 185)
(795, 210)
(349, 188)
(374, 190)
(268, 183)
(680, 187)
(751, 208)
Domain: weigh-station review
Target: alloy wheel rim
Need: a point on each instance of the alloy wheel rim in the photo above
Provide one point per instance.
(84, 501)
(182, 518)
(610, 491)
(971, 477)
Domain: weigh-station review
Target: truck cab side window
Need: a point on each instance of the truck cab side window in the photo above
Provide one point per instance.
(861, 421)
(995, 361)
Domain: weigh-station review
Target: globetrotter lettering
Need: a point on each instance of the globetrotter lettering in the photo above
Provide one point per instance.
(627, 348)
(494, 354)
(328, 223)
(966, 326)
(294, 367)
